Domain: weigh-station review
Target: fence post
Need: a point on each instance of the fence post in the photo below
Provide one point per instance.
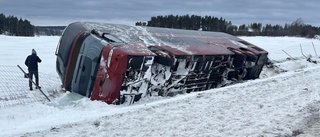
(302, 52)
(314, 49)
(288, 55)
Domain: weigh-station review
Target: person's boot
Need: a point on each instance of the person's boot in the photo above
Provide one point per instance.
(38, 87)
(31, 88)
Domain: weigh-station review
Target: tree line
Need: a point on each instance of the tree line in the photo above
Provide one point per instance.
(12, 26)
(211, 23)
(49, 30)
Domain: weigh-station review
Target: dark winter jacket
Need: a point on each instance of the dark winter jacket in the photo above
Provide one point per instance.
(32, 62)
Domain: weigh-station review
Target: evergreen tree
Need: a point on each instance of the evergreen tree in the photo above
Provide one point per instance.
(2, 23)
(13, 26)
(256, 28)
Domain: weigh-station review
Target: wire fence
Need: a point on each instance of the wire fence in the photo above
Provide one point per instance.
(295, 51)
(14, 87)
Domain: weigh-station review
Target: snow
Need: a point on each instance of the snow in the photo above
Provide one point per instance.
(284, 101)
(291, 45)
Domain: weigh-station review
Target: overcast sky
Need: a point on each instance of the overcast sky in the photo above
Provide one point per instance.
(63, 12)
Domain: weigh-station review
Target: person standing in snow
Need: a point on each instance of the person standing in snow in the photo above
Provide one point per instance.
(32, 64)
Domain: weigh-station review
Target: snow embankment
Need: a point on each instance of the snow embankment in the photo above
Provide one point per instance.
(281, 105)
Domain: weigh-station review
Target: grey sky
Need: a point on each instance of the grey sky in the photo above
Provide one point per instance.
(63, 12)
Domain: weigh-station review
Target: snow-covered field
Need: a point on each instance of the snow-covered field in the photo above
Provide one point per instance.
(283, 102)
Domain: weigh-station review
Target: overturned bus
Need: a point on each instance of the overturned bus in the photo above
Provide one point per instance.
(122, 64)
